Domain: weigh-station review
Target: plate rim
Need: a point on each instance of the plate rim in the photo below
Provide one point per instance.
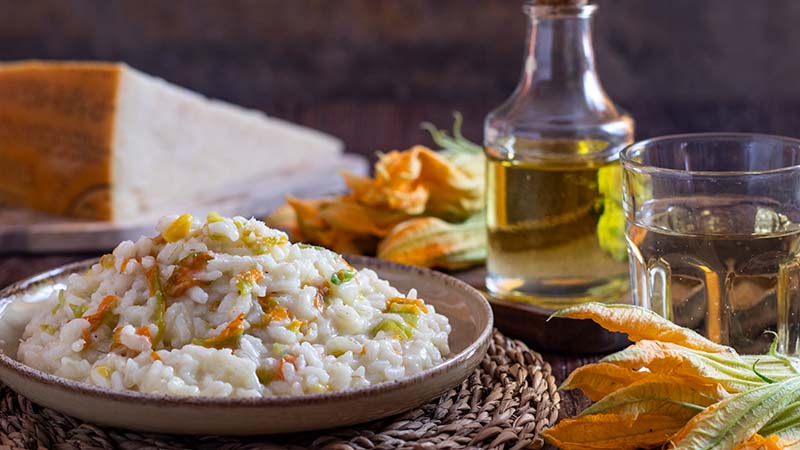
(162, 400)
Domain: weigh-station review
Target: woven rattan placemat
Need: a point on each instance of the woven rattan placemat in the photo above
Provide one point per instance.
(504, 404)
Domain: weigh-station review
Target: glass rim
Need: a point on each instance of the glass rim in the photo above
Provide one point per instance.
(559, 11)
(628, 163)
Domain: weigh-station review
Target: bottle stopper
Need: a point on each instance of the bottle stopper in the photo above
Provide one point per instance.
(559, 2)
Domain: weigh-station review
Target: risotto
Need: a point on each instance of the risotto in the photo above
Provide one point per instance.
(228, 307)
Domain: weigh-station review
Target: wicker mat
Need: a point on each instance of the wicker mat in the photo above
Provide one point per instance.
(504, 404)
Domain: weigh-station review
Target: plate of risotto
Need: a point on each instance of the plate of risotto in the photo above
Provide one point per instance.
(223, 326)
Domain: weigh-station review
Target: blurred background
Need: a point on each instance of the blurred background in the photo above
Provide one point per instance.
(369, 71)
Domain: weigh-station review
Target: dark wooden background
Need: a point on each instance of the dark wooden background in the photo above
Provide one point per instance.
(370, 70)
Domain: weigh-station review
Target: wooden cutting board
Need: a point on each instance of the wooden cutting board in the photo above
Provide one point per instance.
(28, 231)
(533, 325)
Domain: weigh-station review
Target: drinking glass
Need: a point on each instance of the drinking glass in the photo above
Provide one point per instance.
(713, 230)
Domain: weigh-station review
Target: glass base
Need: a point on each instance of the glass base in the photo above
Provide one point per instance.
(559, 293)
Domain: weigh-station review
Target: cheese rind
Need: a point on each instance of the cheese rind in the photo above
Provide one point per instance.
(104, 141)
(55, 137)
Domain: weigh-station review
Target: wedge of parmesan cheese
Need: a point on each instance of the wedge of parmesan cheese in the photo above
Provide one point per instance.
(106, 142)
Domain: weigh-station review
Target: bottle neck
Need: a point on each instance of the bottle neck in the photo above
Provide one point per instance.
(559, 60)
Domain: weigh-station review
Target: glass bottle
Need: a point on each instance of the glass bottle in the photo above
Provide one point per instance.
(554, 211)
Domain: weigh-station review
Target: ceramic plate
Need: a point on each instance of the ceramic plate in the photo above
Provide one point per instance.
(469, 314)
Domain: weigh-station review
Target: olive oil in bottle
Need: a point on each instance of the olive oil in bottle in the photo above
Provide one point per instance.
(554, 200)
(553, 233)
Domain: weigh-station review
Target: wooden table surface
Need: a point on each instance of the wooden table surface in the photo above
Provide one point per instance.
(17, 266)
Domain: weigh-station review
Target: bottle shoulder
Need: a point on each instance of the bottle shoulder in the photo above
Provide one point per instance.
(558, 104)
(540, 134)
(559, 119)
(548, 110)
